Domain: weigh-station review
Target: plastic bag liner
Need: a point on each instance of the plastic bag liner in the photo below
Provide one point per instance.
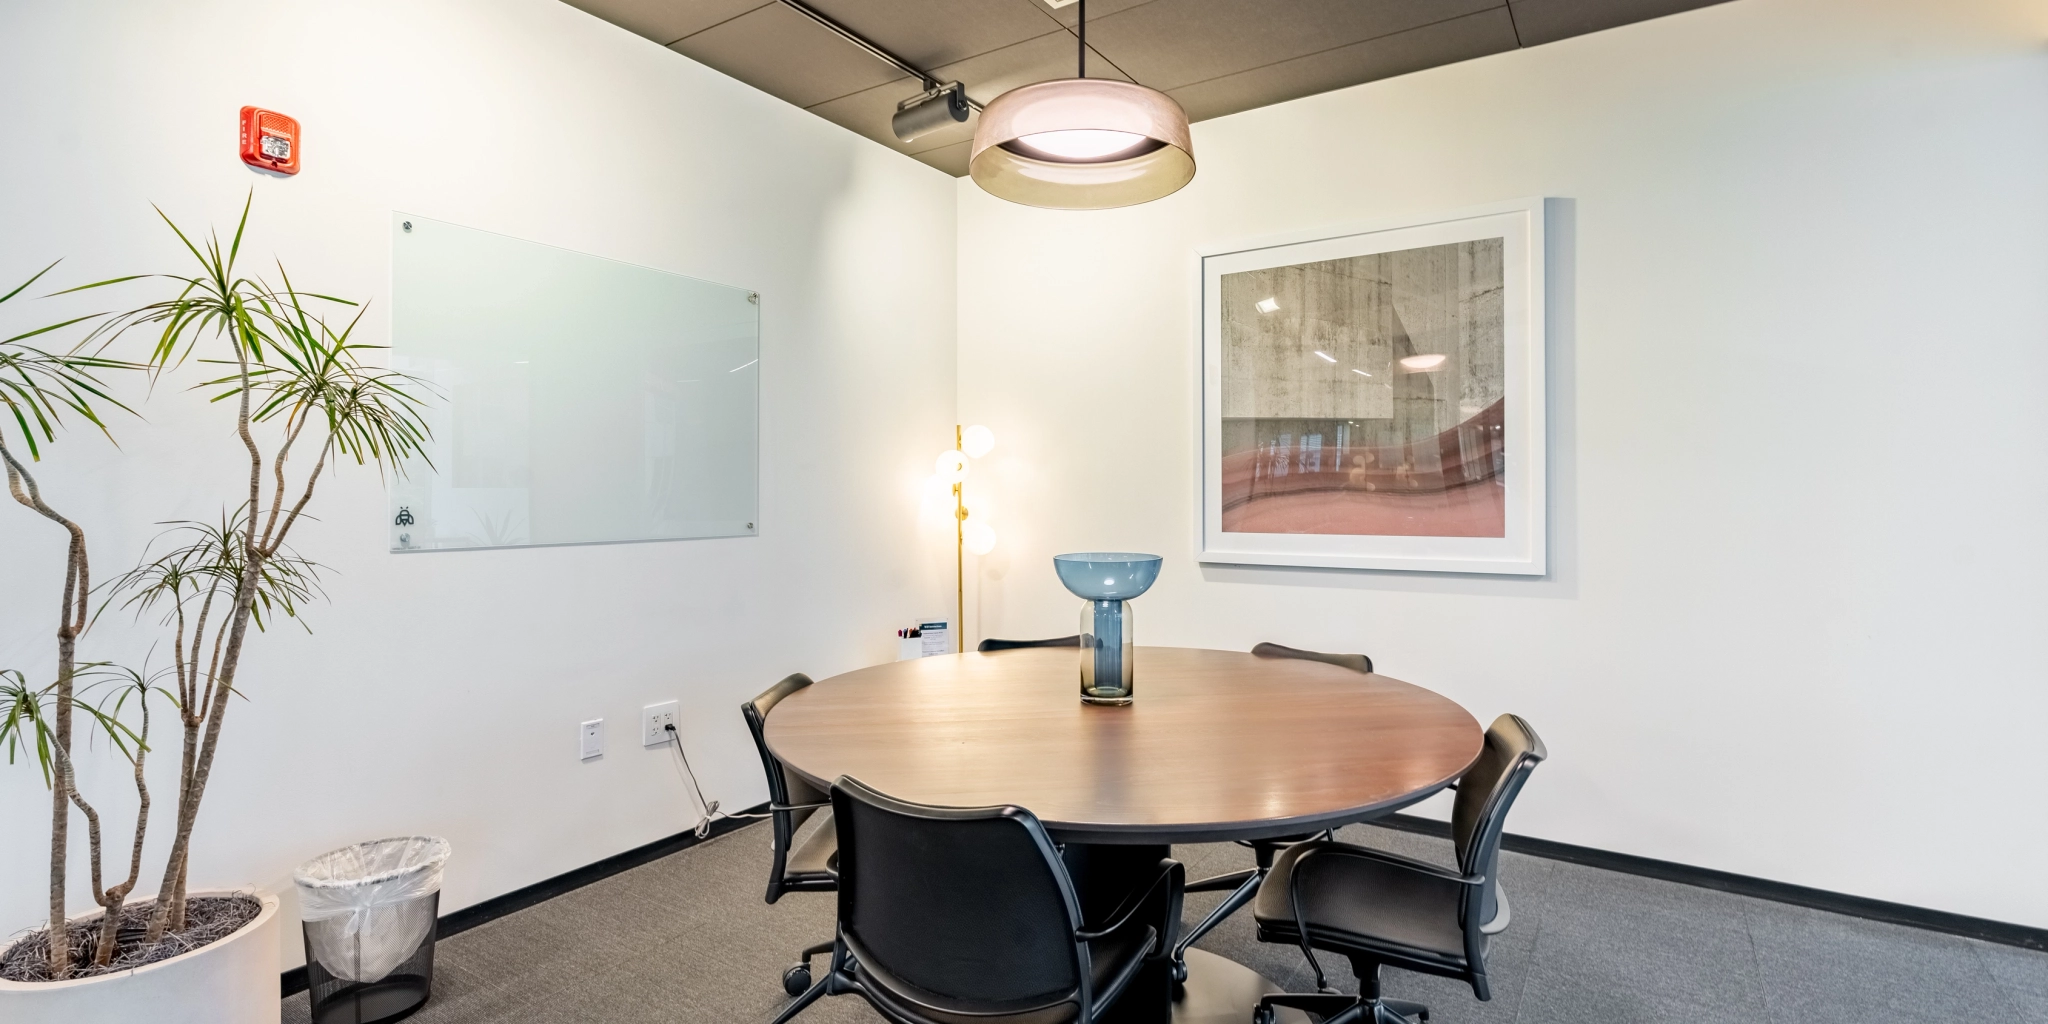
(364, 906)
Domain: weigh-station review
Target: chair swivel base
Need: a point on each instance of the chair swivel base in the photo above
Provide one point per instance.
(1337, 1008)
(1242, 887)
(797, 979)
(1217, 991)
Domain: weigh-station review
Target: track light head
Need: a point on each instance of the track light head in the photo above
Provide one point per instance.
(929, 111)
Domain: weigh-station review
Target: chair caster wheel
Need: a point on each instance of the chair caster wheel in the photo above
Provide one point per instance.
(1178, 970)
(797, 980)
(1264, 1015)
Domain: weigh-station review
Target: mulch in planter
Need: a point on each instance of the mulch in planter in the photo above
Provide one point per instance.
(207, 919)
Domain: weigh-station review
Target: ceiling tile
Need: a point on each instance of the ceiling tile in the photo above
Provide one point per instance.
(1216, 57)
(950, 159)
(1042, 59)
(987, 76)
(929, 32)
(785, 54)
(1546, 21)
(666, 21)
(1170, 43)
(1070, 15)
(1474, 35)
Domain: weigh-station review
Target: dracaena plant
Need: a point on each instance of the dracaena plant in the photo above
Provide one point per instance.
(303, 401)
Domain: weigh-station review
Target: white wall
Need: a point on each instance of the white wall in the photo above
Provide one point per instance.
(441, 693)
(1799, 310)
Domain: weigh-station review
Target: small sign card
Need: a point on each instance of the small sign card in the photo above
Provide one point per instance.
(937, 640)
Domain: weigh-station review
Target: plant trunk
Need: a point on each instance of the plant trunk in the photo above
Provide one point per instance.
(169, 915)
(115, 897)
(110, 925)
(60, 936)
(202, 768)
(60, 794)
(170, 905)
(71, 621)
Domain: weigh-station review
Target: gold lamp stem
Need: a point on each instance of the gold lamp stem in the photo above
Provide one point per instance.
(959, 556)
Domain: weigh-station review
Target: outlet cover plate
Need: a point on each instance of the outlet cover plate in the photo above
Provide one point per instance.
(592, 735)
(655, 719)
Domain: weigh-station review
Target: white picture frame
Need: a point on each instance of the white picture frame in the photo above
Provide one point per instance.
(1519, 464)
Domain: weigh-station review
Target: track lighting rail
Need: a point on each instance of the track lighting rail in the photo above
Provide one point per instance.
(928, 82)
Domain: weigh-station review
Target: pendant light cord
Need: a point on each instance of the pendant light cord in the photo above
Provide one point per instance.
(1081, 58)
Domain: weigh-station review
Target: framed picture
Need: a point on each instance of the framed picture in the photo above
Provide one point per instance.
(1372, 396)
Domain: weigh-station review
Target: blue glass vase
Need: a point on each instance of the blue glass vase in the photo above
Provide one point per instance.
(1106, 581)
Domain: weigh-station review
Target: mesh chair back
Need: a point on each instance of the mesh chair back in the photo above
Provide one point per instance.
(1354, 662)
(967, 910)
(785, 788)
(993, 644)
(1485, 793)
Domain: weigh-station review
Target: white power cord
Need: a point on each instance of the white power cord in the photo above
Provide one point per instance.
(711, 811)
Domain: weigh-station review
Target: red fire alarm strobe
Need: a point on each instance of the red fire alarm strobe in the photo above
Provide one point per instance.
(270, 140)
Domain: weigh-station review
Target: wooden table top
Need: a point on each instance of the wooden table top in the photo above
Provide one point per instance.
(1218, 745)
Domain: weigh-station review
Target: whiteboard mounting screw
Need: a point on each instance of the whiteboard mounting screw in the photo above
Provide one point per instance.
(750, 526)
(754, 297)
(407, 225)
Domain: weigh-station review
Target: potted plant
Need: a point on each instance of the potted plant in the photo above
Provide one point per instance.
(298, 387)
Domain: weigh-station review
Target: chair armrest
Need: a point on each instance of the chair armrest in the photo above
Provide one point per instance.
(773, 808)
(1393, 859)
(1171, 873)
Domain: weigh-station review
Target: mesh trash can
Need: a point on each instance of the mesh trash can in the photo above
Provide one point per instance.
(368, 912)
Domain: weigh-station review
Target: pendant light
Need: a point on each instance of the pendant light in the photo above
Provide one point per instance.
(1082, 143)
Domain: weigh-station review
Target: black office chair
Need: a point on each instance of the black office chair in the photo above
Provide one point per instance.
(993, 644)
(1381, 908)
(1243, 885)
(1354, 662)
(792, 801)
(960, 915)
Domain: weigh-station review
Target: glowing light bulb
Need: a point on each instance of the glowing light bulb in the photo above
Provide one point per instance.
(977, 441)
(951, 466)
(1423, 364)
(980, 538)
(1082, 143)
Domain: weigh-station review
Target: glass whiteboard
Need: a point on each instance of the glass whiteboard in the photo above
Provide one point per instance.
(578, 400)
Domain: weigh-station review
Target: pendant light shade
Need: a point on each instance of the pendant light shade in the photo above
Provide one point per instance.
(1082, 144)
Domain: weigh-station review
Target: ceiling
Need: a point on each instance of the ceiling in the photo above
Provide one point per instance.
(1216, 57)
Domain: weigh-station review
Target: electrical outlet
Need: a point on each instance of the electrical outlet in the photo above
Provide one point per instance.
(592, 734)
(655, 720)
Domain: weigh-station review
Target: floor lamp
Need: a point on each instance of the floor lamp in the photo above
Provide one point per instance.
(968, 443)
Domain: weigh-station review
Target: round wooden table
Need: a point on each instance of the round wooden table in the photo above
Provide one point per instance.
(1217, 746)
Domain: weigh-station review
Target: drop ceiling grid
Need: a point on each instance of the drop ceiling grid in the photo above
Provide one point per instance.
(1215, 57)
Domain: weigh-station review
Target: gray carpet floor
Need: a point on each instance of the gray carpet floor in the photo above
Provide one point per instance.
(687, 939)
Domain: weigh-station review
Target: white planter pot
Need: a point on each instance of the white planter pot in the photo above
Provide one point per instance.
(232, 981)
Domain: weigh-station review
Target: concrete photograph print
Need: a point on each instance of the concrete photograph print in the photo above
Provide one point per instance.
(1373, 396)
